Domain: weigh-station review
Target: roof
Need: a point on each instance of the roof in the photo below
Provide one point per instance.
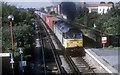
(65, 27)
(96, 5)
(109, 5)
(62, 27)
(92, 5)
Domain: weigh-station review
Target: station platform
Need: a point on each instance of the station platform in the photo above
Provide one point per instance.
(109, 55)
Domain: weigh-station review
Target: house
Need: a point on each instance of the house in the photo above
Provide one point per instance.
(99, 8)
(104, 8)
(47, 9)
(92, 7)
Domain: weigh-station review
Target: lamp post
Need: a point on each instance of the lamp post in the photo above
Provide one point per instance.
(11, 19)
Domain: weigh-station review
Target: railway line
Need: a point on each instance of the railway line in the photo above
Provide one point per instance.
(57, 60)
(68, 59)
(77, 64)
(50, 55)
(76, 68)
(72, 64)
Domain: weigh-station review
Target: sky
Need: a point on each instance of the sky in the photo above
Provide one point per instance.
(31, 4)
(44, 3)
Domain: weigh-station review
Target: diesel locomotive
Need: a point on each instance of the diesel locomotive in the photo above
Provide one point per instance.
(67, 34)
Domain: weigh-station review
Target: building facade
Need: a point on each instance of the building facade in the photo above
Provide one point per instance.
(104, 8)
(99, 8)
(92, 7)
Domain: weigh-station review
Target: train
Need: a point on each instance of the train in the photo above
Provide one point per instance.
(69, 36)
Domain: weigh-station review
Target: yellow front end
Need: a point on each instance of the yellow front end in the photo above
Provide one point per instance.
(72, 43)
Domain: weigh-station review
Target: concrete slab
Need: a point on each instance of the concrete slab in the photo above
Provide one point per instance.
(97, 62)
(111, 56)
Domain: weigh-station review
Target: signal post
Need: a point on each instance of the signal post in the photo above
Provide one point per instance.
(104, 40)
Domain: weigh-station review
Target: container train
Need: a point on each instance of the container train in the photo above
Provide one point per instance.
(67, 34)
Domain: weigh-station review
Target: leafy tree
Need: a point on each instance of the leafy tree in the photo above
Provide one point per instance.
(52, 12)
(111, 26)
(102, 3)
(42, 10)
(22, 23)
(109, 22)
(110, 3)
(81, 12)
(118, 8)
(92, 18)
(82, 15)
(99, 22)
(0, 9)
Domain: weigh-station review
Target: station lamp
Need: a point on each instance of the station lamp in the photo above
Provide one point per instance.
(11, 19)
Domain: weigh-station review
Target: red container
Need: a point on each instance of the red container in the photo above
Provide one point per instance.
(44, 17)
(50, 21)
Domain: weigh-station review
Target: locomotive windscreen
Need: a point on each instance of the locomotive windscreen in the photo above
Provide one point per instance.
(73, 35)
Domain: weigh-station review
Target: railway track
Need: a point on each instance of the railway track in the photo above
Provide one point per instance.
(83, 67)
(39, 48)
(76, 68)
(58, 61)
(78, 65)
(57, 69)
(72, 64)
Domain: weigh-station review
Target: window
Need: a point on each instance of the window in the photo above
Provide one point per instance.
(78, 35)
(73, 35)
(103, 11)
(69, 35)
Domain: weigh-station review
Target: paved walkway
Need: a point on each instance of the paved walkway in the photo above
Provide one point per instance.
(111, 56)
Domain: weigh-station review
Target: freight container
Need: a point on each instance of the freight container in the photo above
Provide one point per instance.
(50, 21)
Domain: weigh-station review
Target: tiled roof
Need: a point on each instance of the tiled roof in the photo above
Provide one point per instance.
(92, 5)
(105, 5)
(96, 5)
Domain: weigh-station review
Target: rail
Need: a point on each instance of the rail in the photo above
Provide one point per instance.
(72, 64)
(56, 57)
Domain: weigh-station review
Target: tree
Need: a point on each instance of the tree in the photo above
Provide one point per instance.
(118, 8)
(109, 22)
(82, 15)
(100, 21)
(22, 23)
(102, 3)
(115, 10)
(52, 13)
(0, 9)
(42, 10)
(110, 3)
(111, 26)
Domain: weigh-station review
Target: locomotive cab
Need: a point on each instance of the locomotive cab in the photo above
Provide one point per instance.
(72, 40)
(69, 36)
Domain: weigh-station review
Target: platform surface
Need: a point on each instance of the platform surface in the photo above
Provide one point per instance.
(110, 55)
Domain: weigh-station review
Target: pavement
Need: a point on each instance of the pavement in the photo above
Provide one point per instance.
(109, 55)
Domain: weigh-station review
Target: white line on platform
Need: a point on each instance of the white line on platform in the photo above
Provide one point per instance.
(98, 61)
